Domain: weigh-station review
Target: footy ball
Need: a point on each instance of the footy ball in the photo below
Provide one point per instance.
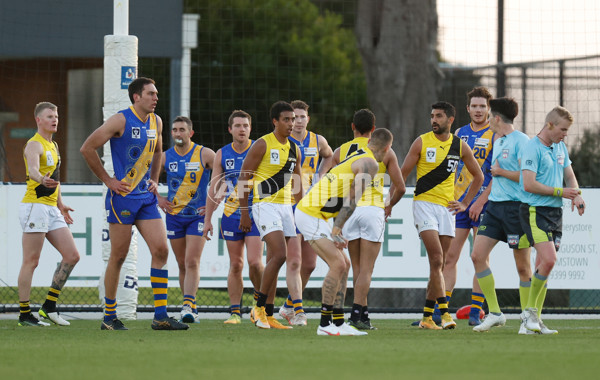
(463, 312)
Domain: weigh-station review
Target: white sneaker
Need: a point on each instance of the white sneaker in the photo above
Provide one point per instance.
(490, 321)
(330, 329)
(524, 331)
(54, 317)
(346, 329)
(187, 315)
(544, 330)
(298, 320)
(530, 319)
(287, 313)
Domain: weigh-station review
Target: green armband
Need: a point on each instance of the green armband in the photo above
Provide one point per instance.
(558, 192)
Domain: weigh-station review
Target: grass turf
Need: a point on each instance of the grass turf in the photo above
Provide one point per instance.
(212, 350)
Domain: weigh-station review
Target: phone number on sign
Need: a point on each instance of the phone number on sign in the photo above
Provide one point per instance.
(567, 275)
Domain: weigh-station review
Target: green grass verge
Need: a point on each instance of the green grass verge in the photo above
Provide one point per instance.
(212, 350)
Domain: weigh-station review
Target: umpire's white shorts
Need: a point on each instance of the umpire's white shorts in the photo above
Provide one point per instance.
(432, 216)
(312, 228)
(366, 222)
(271, 217)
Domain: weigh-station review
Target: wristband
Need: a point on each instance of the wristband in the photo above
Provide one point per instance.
(558, 192)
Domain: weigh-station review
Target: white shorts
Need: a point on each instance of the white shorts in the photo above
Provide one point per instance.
(313, 228)
(431, 216)
(38, 217)
(366, 222)
(271, 217)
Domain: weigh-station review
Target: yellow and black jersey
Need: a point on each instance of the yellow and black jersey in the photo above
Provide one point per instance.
(326, 198)
(273, 177)
(49, 163)
(436, 168)
(373, 195)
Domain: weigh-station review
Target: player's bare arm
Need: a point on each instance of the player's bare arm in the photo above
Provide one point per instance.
(397, 187)
(33, 151)
(412, 157)
(113, 127)
(156, 167)
(326, 154)
(251, 162)
(336, 158)
(297, 181)
(216, 193)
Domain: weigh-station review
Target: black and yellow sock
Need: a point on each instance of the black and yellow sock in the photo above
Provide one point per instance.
(261, 300)
(356, 312)
(338, 316)
(326, 311)
(24, 308)
(442, 305)
(428, 309)
(255, 295)
(50, 303)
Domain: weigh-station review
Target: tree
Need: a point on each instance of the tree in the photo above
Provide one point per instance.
(397, 40)
(586, 159)
(253, 53)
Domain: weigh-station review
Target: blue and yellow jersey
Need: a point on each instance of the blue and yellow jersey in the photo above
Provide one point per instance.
(373, 195)
(273, 177)
(49, 163)
(231, 162)
(309, 157)
(132, 152)
(435, 169)
(326, 198)
(481, 143)
(187, 180)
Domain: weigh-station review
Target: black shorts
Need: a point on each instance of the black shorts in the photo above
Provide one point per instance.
(542, 224)
(501, 222)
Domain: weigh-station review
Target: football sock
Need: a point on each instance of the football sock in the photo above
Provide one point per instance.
(537, 285)
(110, 309)
(442, 305)
(338, 316)
(541, 298)
(255, 295)
(195, 307)
(24, 308)
(189, 300)
(488, 287)
(269, 308)
(298, 306)
(326, 312)
(289, 304)
(428, 309)
(235, 309)
(364, 316)
(477, 300)
(448, 296)
(355, 314)
(50, 303)
(261, 300)
(159, 279)
(524, 288)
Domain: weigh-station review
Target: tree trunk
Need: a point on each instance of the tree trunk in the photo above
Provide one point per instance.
(398, 43)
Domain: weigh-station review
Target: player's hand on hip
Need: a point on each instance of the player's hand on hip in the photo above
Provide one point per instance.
(208, 229)
(117, 186)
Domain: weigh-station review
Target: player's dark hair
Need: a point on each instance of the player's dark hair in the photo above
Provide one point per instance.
(299, 105)
(448, 108)
(278, 107)
(239, 113)
(184, 119)
(363, 120)
(137, 86)
(479, 92)
(506, 108)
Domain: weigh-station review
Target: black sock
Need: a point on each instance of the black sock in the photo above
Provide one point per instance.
(428, 309)
(262, 299)
(364, 316)
(355, 314)
(269, 309)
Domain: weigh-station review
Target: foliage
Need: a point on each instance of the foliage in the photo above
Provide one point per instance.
(586, 159)
(253, 53)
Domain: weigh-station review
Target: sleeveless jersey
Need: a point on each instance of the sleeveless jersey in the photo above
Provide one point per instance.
(326, 198)
(309, 157)
(49, 163)
(481, 142)
(373, 195)
(435, 169)
(187, 180)
(231, 162)
(132, 152)
(273, 177)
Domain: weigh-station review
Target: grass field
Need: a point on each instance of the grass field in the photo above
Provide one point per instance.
(212, 350)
